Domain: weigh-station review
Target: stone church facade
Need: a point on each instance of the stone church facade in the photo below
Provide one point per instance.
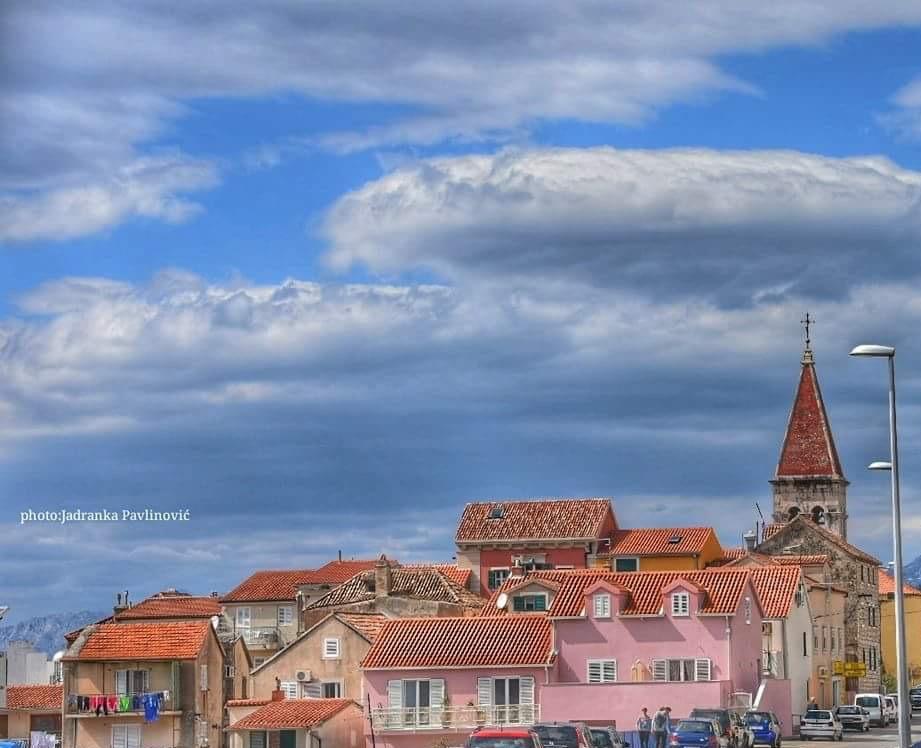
(810, 517)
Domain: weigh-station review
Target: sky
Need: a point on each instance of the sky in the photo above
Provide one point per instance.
(322, 273)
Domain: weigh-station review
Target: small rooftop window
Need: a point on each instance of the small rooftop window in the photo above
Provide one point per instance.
(674, 539)
(497, 511)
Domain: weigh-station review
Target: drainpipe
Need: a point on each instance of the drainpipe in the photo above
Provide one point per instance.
(729, 649)
(783, 631)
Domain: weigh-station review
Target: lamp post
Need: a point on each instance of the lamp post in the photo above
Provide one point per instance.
(901, 660)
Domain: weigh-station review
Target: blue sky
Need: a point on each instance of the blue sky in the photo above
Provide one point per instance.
(322, 274)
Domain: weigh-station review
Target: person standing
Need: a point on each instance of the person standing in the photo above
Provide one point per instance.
(660, 727)
(644, 727)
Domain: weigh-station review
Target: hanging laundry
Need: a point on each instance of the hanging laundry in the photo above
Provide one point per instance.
(124, 703)
(151, 707)
(112, 704)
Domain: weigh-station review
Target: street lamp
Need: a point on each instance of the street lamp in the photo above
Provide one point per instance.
(901, 660)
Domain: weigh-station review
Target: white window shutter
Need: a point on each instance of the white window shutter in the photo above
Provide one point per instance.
(436, 693)
(609, 671)
(395, 694)
(484, 691)
(526, 690)
(702, 668)
(119, 738)
(203, 676)
(659, 670)
(121, 682)
(133, 736)
(594, 672)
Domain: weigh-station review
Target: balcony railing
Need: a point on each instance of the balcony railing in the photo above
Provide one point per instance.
(461, 717)
(266, 636)
(85, 705)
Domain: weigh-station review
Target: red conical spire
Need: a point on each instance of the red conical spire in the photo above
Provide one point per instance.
(808, 446)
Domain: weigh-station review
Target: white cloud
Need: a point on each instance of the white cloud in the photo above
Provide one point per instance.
(88, 86)
(147, 187)
(734, 226)
(905, 117)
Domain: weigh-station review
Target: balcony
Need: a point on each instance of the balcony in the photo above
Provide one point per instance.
(266, 637)
(458, 717)
(82, 709)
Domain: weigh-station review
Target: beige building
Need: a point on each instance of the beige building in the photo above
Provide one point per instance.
(295, 723)
(115, 672)
(829, 601)
(323, 662)
(29, 709)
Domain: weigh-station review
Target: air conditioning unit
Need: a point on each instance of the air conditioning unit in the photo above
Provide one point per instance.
(303, 675)
(823, 672)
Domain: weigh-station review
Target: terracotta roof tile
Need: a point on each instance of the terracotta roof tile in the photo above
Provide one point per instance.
(808, 447)
(35, 698)
(452, 571)
(179, 606)
(423, 583)
(270, 585)
(547, 519)
(291, 714)
(656, 541)
(723, 588)
(887, 585)
(337, 572)
(814, 559)
(776, 588)
(247, 702)
(367, 624)
(167, 640)
(730, 554)
(408, 643)
(772, 529)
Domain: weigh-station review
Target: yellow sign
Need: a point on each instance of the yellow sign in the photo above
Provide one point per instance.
(855, 669)
(837, 667)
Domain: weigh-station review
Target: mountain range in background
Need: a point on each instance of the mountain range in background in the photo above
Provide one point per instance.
(46, 633)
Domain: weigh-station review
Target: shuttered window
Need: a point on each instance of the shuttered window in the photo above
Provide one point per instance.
(699, 669)
(257, 739)
(130, 682)
(602, 604)
(126, 736)
(681, 604)
(331, 649)
(602, 671)
(289, 689)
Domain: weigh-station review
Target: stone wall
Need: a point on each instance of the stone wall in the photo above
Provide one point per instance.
(806, 494)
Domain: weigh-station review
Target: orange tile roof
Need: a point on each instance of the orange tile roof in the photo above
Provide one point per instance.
(547, 519)
(337, 572)
(887, 585)
(291, 714)
(178, 606)
(452, 571)
(166, 640)
(723, 588)
(814, 559)
(654, 541)
(512, 641)
(731, 554)
(808, 446)
(367, 624)
(772, 529)
(35, 698)
(268, 586)
(247, 702)
(776, 588)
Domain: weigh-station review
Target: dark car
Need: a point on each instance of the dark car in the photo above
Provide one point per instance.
(765, 728)
(606, 737)
(509, 738)
(695, 733)
(914, 697)
(563, 735)
(853, 718)
(724, 717)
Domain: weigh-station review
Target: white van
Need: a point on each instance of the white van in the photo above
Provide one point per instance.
(876, 707)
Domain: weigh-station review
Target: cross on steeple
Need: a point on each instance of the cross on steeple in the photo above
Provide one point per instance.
(807, 322)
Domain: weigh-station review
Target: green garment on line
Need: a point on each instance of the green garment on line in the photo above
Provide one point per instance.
(124, 704)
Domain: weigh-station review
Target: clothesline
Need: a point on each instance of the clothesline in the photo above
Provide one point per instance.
(150, 702)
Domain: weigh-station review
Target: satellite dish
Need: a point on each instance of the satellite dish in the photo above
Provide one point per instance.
(57, 656)
(501, 601)
(215, 622)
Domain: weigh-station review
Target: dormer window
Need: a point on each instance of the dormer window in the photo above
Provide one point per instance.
(496, 511)
(602, 605)
(529, 603)
(681, 604)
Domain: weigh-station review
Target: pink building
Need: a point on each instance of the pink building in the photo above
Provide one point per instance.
(587, 644)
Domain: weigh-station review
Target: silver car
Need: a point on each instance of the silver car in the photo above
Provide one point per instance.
(821, 723)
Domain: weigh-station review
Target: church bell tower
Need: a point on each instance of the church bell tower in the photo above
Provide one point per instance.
(809, 479)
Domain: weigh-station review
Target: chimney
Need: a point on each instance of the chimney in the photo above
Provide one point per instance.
(215, 593)
(382, 577)
(340, 556)
(750, 537)
(121, 602)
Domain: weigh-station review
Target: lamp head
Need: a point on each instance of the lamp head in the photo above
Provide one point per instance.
(879, 465)
(879, 351)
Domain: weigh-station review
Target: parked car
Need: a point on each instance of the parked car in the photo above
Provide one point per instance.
(853, 718)
(821, 723)
(505, 738)
(606, 737)
(891, 705)
(729, 737)
(915, 697)
(696, 733)
(765, 727)
(563, 735)
(875, 706)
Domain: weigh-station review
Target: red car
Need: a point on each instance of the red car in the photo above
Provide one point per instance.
(507, 738)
